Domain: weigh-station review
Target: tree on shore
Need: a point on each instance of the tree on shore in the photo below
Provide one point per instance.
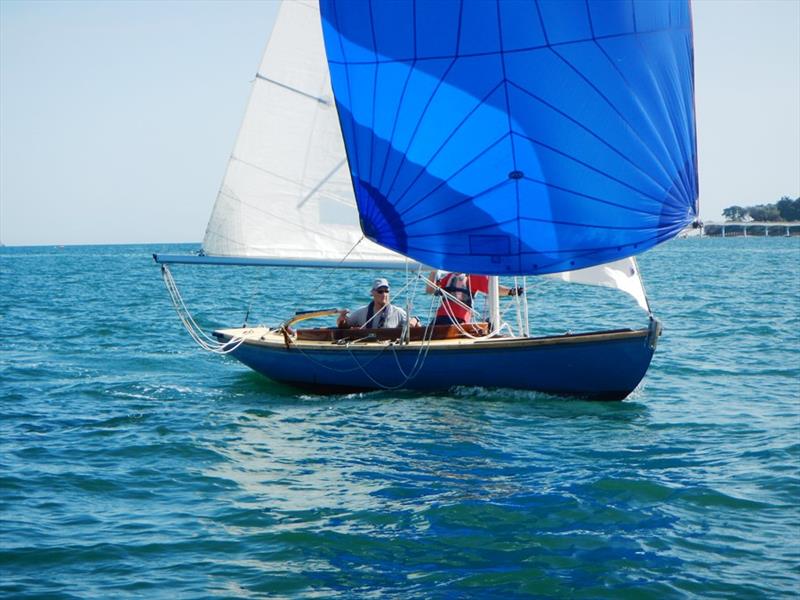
(734, 213)
(785, 209)
(789, 209)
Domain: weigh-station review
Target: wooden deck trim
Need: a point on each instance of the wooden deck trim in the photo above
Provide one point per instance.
(274, 339)
(440, 332)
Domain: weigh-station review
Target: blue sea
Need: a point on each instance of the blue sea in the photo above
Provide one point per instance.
(134, 464)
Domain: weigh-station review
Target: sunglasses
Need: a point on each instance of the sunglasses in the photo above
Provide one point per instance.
(382, 290)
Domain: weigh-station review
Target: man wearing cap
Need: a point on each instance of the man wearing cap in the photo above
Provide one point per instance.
(378, 313)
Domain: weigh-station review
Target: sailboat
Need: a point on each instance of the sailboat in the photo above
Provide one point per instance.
(510, 139)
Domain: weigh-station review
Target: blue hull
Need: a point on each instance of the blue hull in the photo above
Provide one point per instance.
(606, 365)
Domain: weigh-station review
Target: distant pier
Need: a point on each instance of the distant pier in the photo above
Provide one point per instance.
(748, 229)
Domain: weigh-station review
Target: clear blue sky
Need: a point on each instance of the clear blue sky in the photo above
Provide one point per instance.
(117, 117)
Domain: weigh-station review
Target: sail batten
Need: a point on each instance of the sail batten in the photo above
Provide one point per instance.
(544, 128)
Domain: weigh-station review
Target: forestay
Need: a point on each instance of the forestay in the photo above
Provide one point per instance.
(287, 196)
(516, 137)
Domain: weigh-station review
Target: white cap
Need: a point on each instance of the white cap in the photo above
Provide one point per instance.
(379, 283)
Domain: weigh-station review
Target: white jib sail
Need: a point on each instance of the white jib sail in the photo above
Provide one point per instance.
(621, 274)
(287, 195)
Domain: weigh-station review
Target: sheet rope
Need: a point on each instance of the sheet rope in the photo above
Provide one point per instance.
(205, 341)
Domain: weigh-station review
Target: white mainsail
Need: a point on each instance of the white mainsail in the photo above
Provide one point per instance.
(287, 195)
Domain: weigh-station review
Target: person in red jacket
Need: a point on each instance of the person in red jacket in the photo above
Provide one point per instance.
(463, 288)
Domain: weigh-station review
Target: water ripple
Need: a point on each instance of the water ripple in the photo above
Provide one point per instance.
(131, 464)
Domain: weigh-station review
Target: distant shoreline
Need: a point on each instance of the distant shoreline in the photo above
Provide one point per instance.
(751, 229)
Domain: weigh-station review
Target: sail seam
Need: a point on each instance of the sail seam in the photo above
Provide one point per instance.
(646, 116)
(596, 136)
(479, 103)
(505, 83)
(590, 167)
(444, 182)
(413, 136)
(514, 51)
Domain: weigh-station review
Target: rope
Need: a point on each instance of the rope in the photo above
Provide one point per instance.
(210, 344)
(416, 368)
(203, 340)
(419, 362)
(330, 272)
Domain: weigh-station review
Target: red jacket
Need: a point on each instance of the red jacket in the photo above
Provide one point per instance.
(474, 284)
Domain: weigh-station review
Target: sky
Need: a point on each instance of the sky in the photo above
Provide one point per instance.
(117, 117)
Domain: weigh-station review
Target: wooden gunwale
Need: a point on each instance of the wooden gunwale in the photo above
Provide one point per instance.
(274, 338)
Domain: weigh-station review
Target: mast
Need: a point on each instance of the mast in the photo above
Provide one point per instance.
(493, 299)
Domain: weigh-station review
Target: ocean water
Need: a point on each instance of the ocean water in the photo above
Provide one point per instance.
(133, 464)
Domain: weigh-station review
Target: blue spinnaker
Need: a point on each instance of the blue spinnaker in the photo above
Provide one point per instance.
(516, 136)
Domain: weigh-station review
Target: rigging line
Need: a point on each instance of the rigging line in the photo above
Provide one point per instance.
(380, 384)
(324, 101)
(360, 365)
(322, 182)
(195, 331)
(180, 305)
(424, 346)
(422, 355)
(416, 368)
(330, 272)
